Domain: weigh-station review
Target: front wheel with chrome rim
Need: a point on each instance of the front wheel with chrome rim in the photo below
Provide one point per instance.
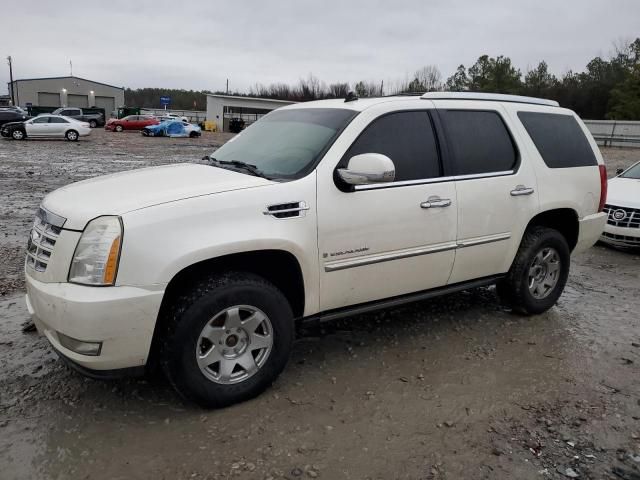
(17, 135)
(234, 345)
(539, 272)
(226, 339)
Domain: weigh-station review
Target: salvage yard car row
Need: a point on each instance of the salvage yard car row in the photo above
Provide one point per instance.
(46, 125)
(62, 126)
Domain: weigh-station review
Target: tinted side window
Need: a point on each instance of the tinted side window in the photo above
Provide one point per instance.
(559, 139)
(479, 141)
(41, 120)
(57, 120)
(407, 138)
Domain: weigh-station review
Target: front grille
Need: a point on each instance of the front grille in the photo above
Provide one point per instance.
(622, 216)
(622, 239)
(42, 240)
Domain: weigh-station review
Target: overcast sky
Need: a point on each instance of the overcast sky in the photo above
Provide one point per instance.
(198, 44)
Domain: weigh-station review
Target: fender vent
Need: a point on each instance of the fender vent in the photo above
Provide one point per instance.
(287, 210)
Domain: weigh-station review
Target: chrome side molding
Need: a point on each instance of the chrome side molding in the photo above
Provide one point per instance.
(412, 252)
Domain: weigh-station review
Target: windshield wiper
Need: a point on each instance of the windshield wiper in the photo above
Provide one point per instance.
(252, 169)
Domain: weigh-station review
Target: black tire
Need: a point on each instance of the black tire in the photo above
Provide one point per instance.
(118, 128)
(145, 133)
(514, 289)
(189, 314)
(72, 135)
(93, 123)
(193, 134)
(18, 134)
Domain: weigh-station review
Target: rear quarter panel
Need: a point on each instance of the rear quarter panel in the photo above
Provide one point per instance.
(577, 188)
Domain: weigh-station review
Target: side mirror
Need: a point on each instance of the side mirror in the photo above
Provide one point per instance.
(619, 171)
(368, 168)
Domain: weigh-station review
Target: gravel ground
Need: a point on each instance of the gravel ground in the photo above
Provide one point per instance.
(456, 387)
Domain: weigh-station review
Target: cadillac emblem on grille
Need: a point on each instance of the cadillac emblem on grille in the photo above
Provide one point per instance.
(619, 215)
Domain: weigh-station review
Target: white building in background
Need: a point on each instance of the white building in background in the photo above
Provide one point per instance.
(66, 92)
(222, 108)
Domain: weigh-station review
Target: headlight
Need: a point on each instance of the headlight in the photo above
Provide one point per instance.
(95, 261)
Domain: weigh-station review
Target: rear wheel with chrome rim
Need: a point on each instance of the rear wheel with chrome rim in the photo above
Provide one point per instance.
(539, 272)
(71, 135)
(227, 339)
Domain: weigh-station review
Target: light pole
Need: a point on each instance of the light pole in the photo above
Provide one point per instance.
(13, 98)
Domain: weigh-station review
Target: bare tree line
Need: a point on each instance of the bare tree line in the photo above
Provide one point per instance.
(426, 79)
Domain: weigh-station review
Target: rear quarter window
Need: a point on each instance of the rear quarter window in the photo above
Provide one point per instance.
(559, 139)
(479, 141)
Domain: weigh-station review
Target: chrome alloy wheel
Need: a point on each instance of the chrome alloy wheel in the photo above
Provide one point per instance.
(544, 273)
(234, 344)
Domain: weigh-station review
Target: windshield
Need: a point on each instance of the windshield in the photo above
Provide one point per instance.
(286, 144)
(633, 172)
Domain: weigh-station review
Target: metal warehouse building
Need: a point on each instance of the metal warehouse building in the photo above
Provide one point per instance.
(222, 108)
(66, 92)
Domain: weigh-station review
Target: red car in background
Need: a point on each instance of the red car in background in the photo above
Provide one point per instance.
(132, 122)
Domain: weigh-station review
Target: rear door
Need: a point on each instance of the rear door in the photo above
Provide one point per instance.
(133, 122)
(496, 188)
(58, 126)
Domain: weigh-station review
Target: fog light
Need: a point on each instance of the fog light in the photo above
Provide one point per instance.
(78, 346)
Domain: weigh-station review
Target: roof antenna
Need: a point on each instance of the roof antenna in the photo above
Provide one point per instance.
(351, 97)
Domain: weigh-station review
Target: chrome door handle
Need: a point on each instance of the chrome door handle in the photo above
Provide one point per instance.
(435, 202)
(521, 190)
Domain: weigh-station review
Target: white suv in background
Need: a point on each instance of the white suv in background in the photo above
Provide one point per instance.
(623, 209)
(318, 210)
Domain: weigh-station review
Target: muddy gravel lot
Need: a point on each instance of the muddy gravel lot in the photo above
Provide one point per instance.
(455, 388)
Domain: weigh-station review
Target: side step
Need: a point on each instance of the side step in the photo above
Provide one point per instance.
(401, 300)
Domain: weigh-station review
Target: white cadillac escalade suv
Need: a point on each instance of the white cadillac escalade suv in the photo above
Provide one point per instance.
(318, 210)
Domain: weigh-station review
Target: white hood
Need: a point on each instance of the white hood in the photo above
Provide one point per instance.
(126, 191)
(624, 192)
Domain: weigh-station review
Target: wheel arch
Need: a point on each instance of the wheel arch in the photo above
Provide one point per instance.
(564, 220)
(279, 267)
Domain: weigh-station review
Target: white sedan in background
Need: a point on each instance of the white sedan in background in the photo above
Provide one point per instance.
(623, 209)
(46, 126)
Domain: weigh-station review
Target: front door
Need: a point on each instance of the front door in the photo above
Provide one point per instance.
(38, 127)
(497, 192)
(383, 240)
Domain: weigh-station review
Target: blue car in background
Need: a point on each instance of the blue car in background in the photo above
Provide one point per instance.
(172, 128)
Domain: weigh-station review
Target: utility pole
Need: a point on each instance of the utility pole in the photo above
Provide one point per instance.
(13, 98)
(227, 86)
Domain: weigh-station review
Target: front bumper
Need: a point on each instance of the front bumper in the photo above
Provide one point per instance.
(121, 318)
(590, 228)
(621, 236)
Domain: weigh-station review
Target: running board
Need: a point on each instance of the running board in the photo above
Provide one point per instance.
(401, 300)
